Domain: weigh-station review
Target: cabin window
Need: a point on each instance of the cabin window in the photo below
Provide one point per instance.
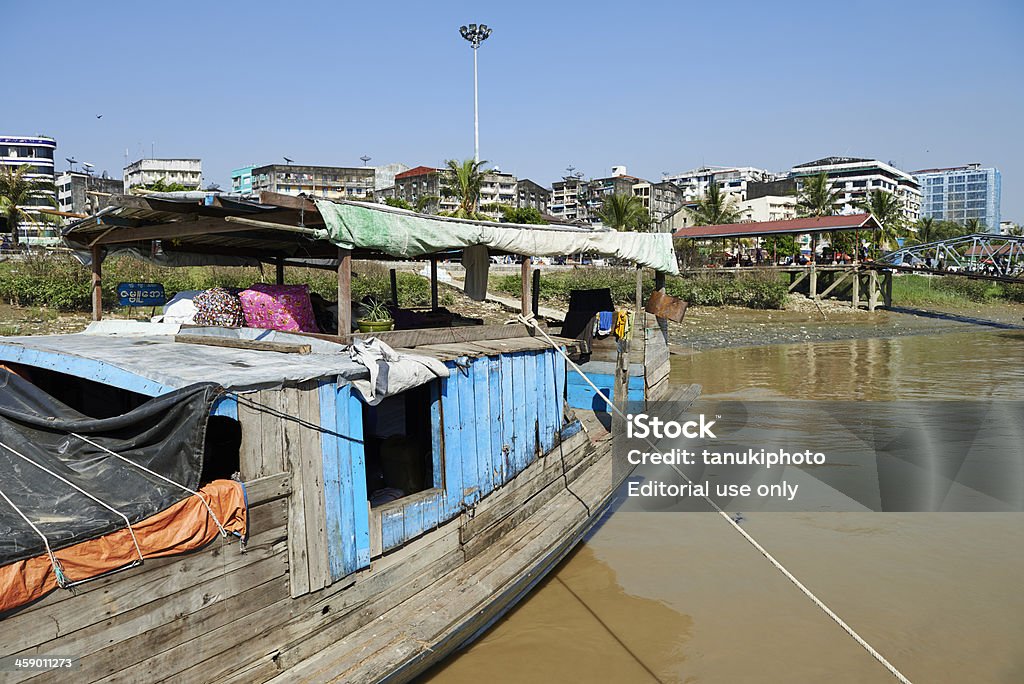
(93, 399)
(221, 449)
(397, 443)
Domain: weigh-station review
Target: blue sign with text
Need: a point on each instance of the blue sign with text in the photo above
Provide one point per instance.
(140, 294)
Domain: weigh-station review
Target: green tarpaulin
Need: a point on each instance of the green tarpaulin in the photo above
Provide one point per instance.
(405, 234)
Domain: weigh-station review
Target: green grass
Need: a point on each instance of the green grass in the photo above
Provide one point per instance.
(917, 289)
(61, 283)
(755, 290)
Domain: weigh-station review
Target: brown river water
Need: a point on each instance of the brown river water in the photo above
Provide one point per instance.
(681, 597)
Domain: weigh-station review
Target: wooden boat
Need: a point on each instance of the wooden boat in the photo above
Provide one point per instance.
(515, 468)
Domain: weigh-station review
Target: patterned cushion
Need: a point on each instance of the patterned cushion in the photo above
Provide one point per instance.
(278, 307)
(218, 306)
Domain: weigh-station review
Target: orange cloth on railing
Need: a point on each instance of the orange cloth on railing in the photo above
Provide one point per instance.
(185, 526)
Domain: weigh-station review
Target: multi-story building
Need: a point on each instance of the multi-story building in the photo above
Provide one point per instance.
(241, 180)
(498, 188)
(769, 208)
(568, 199)
(331, 182)
(187, 172)
(597, 189)
(384, 176)
(730, 179)
(530, 194)
(961, 193)
(84, 193)
(423, 184)
(37, 153)
(660, 199)
(855, 178)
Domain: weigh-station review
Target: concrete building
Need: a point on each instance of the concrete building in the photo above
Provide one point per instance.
(498, 188)
(961, 193)
(423, 182)
(331, 182)
(660, 199)
(241, 180)
(188, 172)
(568, 199)
(854, 178)
(769, 208)
(36, 151)
(384, 176)
(530, 194)
(84, 193)
(730, 179)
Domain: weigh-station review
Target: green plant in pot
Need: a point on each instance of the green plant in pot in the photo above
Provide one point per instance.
(376, 317)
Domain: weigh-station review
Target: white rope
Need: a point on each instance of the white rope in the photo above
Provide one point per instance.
(530, 322)
(209, 510)
(82, 491)
(58, 571)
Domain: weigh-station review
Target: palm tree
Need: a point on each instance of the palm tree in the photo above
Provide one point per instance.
(973, 225)
(816, 197)
(462, 180)
(624, 212)
(887, 209)
(715, 208)
(926, 230)
(18, 191)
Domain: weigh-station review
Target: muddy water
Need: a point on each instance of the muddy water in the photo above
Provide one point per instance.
(682, 598)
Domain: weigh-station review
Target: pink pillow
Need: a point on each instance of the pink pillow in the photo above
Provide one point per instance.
(278, 307)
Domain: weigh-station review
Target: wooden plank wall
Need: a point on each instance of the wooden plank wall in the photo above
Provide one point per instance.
(657, 361)
(495, 416)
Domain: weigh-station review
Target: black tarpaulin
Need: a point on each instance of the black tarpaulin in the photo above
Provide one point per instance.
(166, 435)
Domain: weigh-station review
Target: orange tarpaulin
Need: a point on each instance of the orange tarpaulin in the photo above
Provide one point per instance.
(185, 526)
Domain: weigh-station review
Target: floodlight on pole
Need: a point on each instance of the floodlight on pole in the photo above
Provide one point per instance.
(475, 34)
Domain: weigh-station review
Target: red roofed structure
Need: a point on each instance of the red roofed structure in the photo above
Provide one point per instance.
(800, 226)
(416, 171)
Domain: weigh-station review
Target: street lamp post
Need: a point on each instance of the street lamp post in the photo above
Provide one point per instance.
(475, 35)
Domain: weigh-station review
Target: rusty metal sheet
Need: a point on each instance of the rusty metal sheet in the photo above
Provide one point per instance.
(666, 306)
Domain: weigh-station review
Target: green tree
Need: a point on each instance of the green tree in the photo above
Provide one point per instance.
(624, 212)
(161, 185)
(715, 208)
(816, 197)
(398, 203)
(528, 215)
(462, 180)
(887, 209)
(18, 191)
(973, 225)
(930, 230)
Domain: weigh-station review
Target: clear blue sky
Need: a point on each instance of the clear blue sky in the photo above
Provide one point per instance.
(657, 86)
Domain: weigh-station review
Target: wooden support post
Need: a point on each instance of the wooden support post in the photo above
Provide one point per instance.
(887, 290)
(639, 305)
(813, 291)
(524, 302)
(97, 283)
(394, 286)
(872, 289)
(856, 290)
(279, 268)
(659, 281)
(433, 283)
(535, 290)
(344, 292)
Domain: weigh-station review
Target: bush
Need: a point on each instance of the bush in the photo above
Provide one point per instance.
(756, 290)
(1013, 292)
(60, 282)
(967, 288)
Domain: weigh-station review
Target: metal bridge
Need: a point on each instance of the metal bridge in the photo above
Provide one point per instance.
(985, 256)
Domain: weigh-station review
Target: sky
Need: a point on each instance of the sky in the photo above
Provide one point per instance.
(655, 86)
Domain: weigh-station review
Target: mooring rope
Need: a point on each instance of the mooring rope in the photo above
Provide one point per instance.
(530, 322)
(58, 570)
(223, 532)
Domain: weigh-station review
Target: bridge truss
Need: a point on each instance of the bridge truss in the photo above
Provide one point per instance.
(980, 255)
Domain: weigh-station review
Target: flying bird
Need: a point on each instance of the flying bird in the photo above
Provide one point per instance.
(288, 160)
(99, 116)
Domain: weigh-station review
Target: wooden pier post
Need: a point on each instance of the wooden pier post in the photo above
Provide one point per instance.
(394, 286)
(344, 292)
(639, 306)
(872, 289)
(433, 282)
(856, 290)
(97, 282)
(535, 291)
(279, 270)
(524, 276)
(887, 290)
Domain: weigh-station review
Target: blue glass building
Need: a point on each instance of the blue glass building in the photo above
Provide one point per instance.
(961, 193)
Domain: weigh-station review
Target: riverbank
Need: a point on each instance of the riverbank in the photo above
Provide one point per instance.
(801, 321)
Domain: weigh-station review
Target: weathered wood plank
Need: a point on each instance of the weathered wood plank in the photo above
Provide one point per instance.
(494, 389)
(451, 419)
(330, 455)
(507, 418)
(263, 489)
(483, 426)
(287, 400)
(310, 452)
(521, 392)
(235, 343)
(467, 432)
(250, 453)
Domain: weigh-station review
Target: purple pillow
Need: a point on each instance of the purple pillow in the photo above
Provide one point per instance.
(278, 307)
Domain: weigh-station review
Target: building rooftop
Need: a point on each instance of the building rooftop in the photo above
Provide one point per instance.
(824, 161)
(798, 226)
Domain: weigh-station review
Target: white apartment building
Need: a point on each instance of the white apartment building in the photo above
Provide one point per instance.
(730, 179)
(769, 208)
(854, 178)
(37, 152)
(498, 188)
(188, 172)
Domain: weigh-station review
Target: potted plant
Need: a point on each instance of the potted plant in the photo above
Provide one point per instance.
(376, 317)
